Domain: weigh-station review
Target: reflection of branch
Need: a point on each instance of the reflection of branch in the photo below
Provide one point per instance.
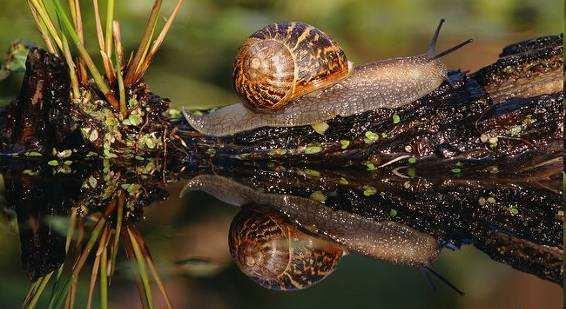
(106, 238)
(544, 261)
(100, 208)
(456, 209)
(143, 257)
(383, 239)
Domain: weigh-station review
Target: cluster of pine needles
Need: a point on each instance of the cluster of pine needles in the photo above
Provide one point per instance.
(57, 28)
(61, 28)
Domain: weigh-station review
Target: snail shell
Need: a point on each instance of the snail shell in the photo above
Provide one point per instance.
(278, 256)
(390, 83)
(283, 61)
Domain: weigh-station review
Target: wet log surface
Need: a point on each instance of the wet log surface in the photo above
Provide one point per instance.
(40, 117)
(515, 218)
(509, 108)
(504, 110)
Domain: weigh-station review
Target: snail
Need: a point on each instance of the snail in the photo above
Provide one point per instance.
(278, 256)
(292, 74)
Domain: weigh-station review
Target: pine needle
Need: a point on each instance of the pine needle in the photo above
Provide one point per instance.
(71, 295)
(118, 232)
(110, 75)
(72, 69)
(86, 57)
(42, 29)
(131, 76)
(130, 256)
(93, 276)
(102, 46)
(76, 15)
(104, 279)
(71, 230)
(97, 21)
(141, 268)
(62, 286)
(40, 287)
(153, 270)
(108, 69)
(44, 16)
(109, 20)
(119, 73)
(160, 38)
(106, 46)
(32, 290)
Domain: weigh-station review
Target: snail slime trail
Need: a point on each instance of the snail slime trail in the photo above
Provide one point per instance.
(292, 74)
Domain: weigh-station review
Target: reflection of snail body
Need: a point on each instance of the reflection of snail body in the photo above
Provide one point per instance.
(292, 74)
(383, 240)
(276, 254)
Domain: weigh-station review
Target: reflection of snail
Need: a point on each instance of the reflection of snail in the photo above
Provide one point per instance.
(267, 244)
(383, 240)
(276, 254)
(292, 74)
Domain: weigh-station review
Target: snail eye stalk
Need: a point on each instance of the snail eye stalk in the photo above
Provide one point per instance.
(431, 52)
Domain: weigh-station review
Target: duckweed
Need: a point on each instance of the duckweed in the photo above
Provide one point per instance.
(369, 190)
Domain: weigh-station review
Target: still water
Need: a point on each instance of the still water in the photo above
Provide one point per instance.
(234, 236)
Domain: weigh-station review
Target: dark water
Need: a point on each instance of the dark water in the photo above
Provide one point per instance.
(231, 236)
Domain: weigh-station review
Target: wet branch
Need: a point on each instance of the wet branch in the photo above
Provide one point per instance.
(504, 110)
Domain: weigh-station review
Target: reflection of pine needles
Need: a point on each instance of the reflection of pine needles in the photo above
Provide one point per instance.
(118, 75)
(106, 238)
(36, 290)
(143, 257)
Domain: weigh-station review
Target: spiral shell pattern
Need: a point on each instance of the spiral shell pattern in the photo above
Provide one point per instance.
(283, 61)
(276, 254)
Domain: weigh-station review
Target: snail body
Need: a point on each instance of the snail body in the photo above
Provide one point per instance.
(277, 255)
(323, 84)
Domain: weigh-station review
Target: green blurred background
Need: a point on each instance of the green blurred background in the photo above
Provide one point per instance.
(194, 69)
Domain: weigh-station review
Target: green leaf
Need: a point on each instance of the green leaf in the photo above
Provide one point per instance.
(369, 190)
(370, 137)
(396, 119)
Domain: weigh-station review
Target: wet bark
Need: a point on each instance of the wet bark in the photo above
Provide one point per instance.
(513, 220)
(504, 110)
(508, 109)
(39, 118)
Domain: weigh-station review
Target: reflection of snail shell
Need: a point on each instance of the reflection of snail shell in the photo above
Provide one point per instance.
(278, 256)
